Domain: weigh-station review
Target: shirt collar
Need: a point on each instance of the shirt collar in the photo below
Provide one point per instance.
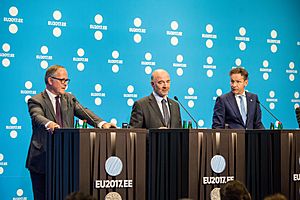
(242, 95)
(51, 95)
(159, 98)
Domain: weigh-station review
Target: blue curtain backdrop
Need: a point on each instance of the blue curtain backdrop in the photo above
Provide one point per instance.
(111, 47)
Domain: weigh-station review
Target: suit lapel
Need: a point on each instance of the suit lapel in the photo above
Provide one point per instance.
(172, 111)
(63, 103)
(250, 103)
(233, 104)
(49, 104)
(153, 104)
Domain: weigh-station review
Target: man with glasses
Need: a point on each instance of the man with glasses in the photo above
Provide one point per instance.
(156, 110)
(53, 108)
(237, 109)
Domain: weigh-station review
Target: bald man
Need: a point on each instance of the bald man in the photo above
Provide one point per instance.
(156, 110)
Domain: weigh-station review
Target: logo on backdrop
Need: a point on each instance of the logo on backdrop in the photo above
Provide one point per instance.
(291, 71)
(219, 92)
(238, 63)
(266, 70)
(20, 196)
(130, 95)
(3, 163)
(272, 100)
(218, 165)
(274, 41)
(28, 91)
(191, 97)
(209, 36)
(113, 167)
(137, 30)
(242, 38)
(209, 66)
(57, 24)
(115, 61)
(174, 33)
(296, 99)
(179, 65)
(6, 55)
(13, 127)
(98, 27)
(80, 60)
(13, 20)
(44, 57)
(98, 94)
(148, 63)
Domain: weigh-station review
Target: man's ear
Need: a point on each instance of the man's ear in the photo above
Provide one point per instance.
(50, 81)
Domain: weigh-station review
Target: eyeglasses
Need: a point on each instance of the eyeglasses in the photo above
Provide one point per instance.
(62, 80)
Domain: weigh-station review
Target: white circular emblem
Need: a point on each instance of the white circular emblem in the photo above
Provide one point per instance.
(218, 164)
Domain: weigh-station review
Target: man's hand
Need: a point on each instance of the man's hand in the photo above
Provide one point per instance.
(52, 125)
(109, 125)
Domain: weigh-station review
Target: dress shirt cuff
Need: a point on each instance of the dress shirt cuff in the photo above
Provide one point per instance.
(46, 125)
(101, 124)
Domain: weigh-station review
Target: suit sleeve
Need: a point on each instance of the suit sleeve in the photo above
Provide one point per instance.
(37, 113)
(92, 118)
(137, 117)
(219, 115)
(257, 118)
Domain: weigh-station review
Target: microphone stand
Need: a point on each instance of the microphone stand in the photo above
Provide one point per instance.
(175, 97)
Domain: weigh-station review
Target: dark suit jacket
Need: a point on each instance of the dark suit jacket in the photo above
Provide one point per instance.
(41, 111)
(146, 114)
(227, 114)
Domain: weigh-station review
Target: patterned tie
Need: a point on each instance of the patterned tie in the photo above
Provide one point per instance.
(58, 112)
(243, 110)
(166, 113)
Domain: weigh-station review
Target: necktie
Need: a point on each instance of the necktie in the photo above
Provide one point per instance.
(165, 112)
(243, 110)
(58, 111)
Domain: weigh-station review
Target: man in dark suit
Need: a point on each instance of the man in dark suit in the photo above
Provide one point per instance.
(237, 109)
(156, 110)
(51, 109)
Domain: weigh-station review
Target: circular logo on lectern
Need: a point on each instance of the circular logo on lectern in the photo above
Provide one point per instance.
(113, 196)
(113, 166)
(215, 194)
(218, 164)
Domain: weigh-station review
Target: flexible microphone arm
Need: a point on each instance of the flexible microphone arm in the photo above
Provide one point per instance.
(87, 114)
(268, 110)
(298, 115)
(175, 97)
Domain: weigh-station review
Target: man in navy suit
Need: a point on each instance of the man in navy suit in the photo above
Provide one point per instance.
(237, 109)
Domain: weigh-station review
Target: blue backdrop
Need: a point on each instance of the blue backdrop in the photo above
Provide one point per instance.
(110, 49)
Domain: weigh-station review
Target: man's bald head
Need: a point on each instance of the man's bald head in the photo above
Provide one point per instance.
(160, 82)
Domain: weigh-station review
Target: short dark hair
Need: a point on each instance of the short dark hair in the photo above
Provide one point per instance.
(79, 196)
(239, 70)
(277, 196)
(51, 71)
(234, 190)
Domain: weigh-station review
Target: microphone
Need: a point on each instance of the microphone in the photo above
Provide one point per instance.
(175, 97)
(257, 101)
(83, 109)
(298, 115)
